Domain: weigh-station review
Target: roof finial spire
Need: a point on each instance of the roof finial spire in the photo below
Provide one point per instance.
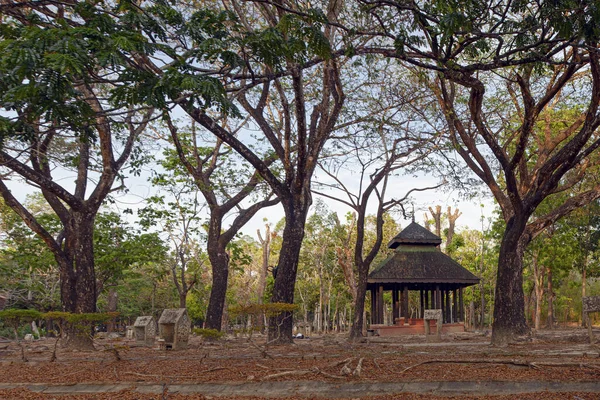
(413, 213)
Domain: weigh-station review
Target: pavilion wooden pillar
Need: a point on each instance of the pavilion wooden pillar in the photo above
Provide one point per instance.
(443, 306)
(427, 292)
(380, 304)
(438, 298)
(454, 307)
(421, 303)
(373, 305)
(447, 298)
(395, 305)
(461, 305)
(405, 303)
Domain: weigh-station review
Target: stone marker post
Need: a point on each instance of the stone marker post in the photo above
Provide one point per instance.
(433, 315)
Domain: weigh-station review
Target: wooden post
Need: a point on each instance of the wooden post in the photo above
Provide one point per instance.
(401, 302)
(421, 303)
(454, 307)
(380, 304)
(438, 297)
(448, 315)
(444, 305)
(395, 305)
(405, 305)
(427, 299)
(461, 305)
(373, 306)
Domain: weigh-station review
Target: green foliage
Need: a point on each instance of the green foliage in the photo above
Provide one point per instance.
(16, 318)
(80, 323)
(43, 60)
(118, 247)
(19, 316)
(294, 39)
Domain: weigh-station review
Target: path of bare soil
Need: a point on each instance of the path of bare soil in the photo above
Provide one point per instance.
(556, 364)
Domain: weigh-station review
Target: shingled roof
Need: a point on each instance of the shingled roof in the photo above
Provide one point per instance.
(418, 259)
(414, 234)
(421, 266)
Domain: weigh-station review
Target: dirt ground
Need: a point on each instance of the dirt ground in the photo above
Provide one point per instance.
(558, 356)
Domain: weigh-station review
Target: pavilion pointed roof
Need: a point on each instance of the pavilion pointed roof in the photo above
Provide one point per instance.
(414, 234)
(418, 260)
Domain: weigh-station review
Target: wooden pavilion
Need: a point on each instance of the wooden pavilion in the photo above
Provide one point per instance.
(418, 265)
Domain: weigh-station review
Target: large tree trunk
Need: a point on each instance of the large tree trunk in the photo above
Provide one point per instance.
(182, 299)
(509, 306)
(78, 280)
(219, 261)
(356, 331)
(296, 210)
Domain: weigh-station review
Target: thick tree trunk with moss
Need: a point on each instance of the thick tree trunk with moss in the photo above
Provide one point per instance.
(78, 279)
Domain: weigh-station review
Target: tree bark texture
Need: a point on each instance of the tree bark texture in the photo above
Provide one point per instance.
(296, 210)
(219, 261)
(76, 265)
(78, 279)
(357, 328)
(509, 310)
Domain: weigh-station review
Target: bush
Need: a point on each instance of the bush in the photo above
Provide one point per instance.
(15, 318)
(80, 323)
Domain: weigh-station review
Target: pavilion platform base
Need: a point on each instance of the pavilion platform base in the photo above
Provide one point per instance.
(415, 326)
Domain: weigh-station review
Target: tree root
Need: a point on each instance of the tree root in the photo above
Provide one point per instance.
(346, 369)
(376, 363)
(358, 368)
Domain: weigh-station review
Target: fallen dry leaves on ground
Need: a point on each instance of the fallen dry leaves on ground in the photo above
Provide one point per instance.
(562, 356)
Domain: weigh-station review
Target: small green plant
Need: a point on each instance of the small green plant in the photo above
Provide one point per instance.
(15, 318)
(210, 334)
(75, 324)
